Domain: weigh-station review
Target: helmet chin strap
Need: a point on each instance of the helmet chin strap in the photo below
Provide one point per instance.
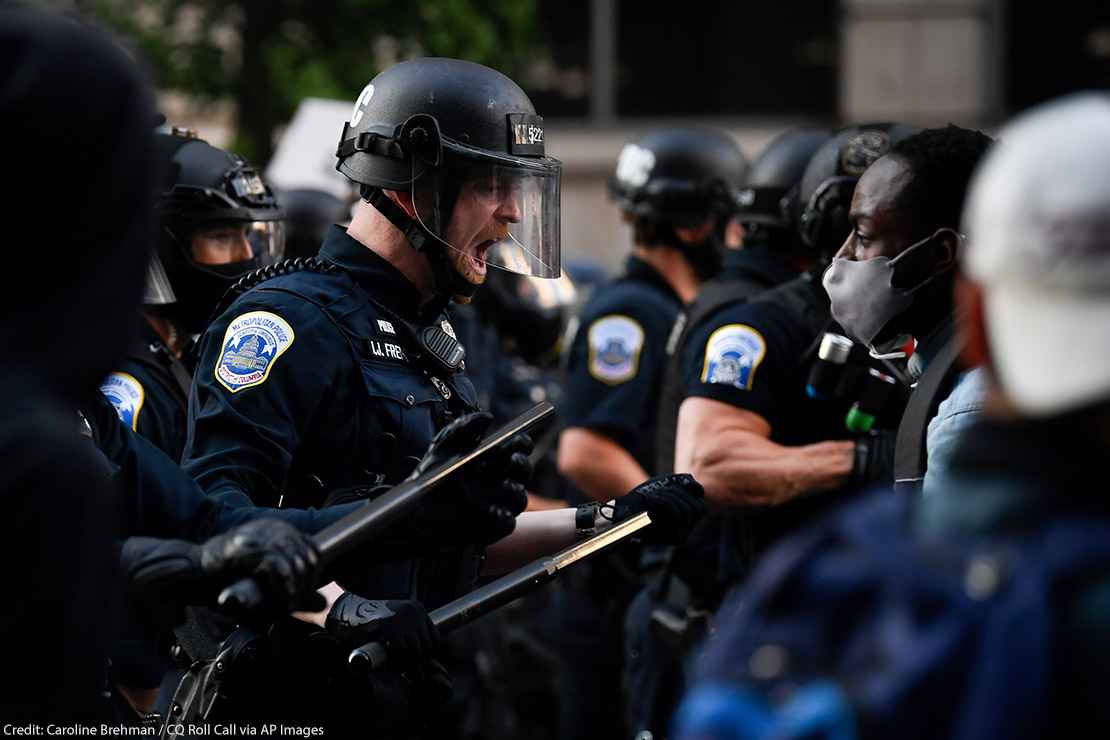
(448, 281)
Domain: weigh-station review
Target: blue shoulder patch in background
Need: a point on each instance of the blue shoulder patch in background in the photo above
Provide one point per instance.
(732, 355)
(615, 343)
(126, 394)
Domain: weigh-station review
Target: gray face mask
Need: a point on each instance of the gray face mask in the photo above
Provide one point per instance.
(863, 297)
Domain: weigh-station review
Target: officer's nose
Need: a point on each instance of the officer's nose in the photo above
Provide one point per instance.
(508, 206)
(241, 250)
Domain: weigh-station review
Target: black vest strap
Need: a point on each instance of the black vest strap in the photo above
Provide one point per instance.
(713, 296)
(910, 458)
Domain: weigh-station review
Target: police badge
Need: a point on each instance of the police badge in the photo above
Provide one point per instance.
(251, 346)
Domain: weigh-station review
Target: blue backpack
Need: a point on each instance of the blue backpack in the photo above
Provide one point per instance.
(853, 629)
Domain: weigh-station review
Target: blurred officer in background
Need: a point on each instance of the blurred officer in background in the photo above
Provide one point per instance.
(678, 189)
(978, 610)
(663, 621)
(766, 254)
(217, 221)
(892, 279)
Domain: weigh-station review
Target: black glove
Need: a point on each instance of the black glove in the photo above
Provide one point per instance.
(280, 559)
(482, 507)
(874, 458)
(675, 502)
(402, 627)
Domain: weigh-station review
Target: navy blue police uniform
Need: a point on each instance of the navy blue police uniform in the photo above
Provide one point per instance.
(653, 670)
(756, 356)
(616, 360)
(314, 381)
(614, 369)
(150, 392)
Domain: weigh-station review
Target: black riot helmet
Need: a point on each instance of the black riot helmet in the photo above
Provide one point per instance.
(825, 193)
(218, 220)
(680, 177)
(464, 141)
(769, 199)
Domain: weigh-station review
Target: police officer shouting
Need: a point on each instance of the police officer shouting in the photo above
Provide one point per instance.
(217, 221)
(325, 380)
(333, 375)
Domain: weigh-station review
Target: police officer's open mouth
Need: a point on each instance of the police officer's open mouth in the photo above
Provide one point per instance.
(478, 259)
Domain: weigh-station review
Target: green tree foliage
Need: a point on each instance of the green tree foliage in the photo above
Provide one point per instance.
(267, 55)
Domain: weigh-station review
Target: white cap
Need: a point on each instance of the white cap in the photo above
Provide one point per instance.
(1038, 224)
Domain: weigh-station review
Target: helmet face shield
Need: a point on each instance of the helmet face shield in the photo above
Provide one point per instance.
(492, 211)
(250, 244)
(267, 239)
(159, 290)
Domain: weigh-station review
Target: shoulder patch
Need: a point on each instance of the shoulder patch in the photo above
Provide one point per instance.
(127, 395)
(252, 344)
(615, 342)
(732, 355)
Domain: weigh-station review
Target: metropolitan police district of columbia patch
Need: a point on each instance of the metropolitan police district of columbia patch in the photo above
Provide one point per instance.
(615, 343)
(252, 344)
(126, 394)
(732, 355)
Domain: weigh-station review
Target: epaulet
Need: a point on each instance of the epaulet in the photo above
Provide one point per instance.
(255, 278)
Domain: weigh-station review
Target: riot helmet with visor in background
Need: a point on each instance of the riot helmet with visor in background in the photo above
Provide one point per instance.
(218, 221)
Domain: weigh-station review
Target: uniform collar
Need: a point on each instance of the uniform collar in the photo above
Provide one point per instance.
(373, 273)
(637, 269)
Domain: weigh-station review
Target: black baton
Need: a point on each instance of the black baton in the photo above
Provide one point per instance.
(494, 594)
(339, 538)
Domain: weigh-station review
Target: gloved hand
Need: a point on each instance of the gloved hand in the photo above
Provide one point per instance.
(675, 502)
(280, 559)
(483, 505)
(874, 458)
(401, 626)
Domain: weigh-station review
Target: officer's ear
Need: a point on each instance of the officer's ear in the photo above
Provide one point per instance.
(403, 198)
(975, 349)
